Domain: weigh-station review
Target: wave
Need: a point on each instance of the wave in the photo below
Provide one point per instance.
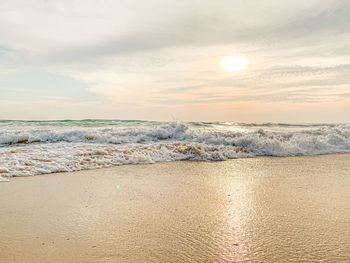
(173, 131)
(111, 135)
(33, 149)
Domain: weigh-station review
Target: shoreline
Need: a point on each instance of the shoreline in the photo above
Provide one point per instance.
(249, 209)
(10, 178)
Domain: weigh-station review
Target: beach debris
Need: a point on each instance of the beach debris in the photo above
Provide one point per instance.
(11, 152)
(90, 137)
(185, 149)
(101, 152)
(118, 187)
(42, 160)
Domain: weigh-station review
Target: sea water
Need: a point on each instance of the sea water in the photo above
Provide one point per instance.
(40, 147)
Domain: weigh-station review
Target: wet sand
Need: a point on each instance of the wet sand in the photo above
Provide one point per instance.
(293, 209)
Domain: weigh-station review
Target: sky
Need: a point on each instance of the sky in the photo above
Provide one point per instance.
(160, 60)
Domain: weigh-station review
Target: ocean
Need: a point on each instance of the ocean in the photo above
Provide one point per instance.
(40, 147)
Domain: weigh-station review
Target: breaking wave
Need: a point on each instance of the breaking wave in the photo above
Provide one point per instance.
(30, 148)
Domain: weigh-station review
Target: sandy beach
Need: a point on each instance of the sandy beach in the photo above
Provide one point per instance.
(268, 209)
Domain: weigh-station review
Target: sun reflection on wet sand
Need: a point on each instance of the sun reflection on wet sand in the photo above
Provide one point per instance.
(244, 210)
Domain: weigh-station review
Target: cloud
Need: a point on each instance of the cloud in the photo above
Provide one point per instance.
(3, 51)
(149, 54)
(35, 85)
(190, 24)
(284, 83)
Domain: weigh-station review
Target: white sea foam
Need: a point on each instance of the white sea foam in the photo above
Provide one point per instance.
(30, 148)
(3, 179)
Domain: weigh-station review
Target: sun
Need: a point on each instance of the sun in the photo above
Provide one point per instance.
(233, 63)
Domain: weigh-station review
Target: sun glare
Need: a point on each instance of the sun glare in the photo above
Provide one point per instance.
(232, 63)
